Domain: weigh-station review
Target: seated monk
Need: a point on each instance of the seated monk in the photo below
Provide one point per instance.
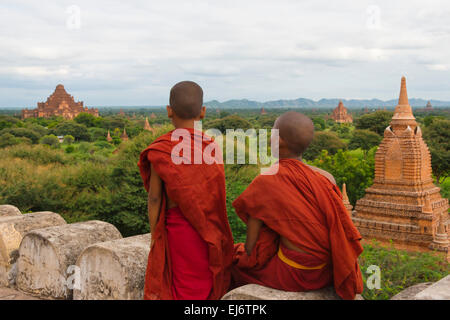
(192, 245)
(300, 236)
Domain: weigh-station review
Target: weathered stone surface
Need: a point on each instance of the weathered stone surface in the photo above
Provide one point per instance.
(257, 292)
(11, 294)
(113, 270)
(7, 211)
(12, 230)
(410, 293)
(438, 291)
(45, 256)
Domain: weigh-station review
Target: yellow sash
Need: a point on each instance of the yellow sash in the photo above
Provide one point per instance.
(295, 264)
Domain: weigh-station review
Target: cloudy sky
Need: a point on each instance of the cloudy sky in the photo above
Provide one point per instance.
(132, 52)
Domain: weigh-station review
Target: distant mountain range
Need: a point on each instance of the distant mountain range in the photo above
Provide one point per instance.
(296, 103)
(323, 103)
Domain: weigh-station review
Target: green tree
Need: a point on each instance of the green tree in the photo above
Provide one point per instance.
(364, 139)
(230, 122)
(376, 122)
(68, 139)
(324, 140)
(7, 140)
(437, 137)
(98, 134)
(86, 119)
(348, 167)
(78, 131)
(319, 123)
(23, 132)
(50, 140)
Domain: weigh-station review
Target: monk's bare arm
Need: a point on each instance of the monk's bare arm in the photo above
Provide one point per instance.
(253, 228)
(154, 198)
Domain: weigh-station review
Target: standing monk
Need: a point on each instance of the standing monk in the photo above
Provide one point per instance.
(300, 236)
(192, 246)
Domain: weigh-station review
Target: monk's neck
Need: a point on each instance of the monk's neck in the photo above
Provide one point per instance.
(184, 124)
(295, 157)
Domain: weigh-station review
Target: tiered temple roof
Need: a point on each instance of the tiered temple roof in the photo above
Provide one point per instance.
(340, 114)
(59, 103)
(403, 204)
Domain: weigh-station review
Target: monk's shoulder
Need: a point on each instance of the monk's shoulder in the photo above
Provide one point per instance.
(326, 174)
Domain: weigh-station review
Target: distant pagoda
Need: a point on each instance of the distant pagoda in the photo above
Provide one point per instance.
(263, 111)
(124, 135)
(59, 103)
(340, 114)
(429, 107)
(403, 204)
(153, 116)
(108, 137)
(147, 126)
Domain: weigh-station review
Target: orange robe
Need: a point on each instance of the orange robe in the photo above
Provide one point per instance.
(199, 191)
(303, 206)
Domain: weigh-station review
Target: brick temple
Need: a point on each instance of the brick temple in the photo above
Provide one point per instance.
(403, 204)
(341, 115)
(60, 103)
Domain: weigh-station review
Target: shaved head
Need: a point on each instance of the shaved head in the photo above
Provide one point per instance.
(296, 130)
(186, 99)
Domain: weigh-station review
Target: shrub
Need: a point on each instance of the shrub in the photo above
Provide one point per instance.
(50, 140)
(22, 132)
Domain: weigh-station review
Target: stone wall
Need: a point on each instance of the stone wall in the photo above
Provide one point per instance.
(42, 256)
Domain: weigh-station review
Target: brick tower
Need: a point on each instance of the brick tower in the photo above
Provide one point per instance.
(403, 204)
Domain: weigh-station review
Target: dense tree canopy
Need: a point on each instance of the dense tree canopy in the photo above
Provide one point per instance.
(364, 139)
(324, 140)
(437, 137)
(376, 122)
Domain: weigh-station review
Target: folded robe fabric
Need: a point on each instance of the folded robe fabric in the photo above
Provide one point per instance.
(188, 252)
(303, 206)
(199, 192)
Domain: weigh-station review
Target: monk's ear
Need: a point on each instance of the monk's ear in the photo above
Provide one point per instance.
(169, 112)
(203, 112)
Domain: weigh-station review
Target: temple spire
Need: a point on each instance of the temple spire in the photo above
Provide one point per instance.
(108, 137)
(147, 125)
(403, 115)
(403, 98)
(124, 135)
(345, 200)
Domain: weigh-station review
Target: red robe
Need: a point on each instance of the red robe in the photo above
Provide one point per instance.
(199, 191)
(303, 206)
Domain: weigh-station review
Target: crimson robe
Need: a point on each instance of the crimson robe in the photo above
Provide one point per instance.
(303, 206)
(199, 192)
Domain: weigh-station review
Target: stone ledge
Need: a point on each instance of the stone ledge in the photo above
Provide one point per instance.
(114, 270)
(45, 256)
(257, 292)
(438, 291)
(7, 211)
(410, 292)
